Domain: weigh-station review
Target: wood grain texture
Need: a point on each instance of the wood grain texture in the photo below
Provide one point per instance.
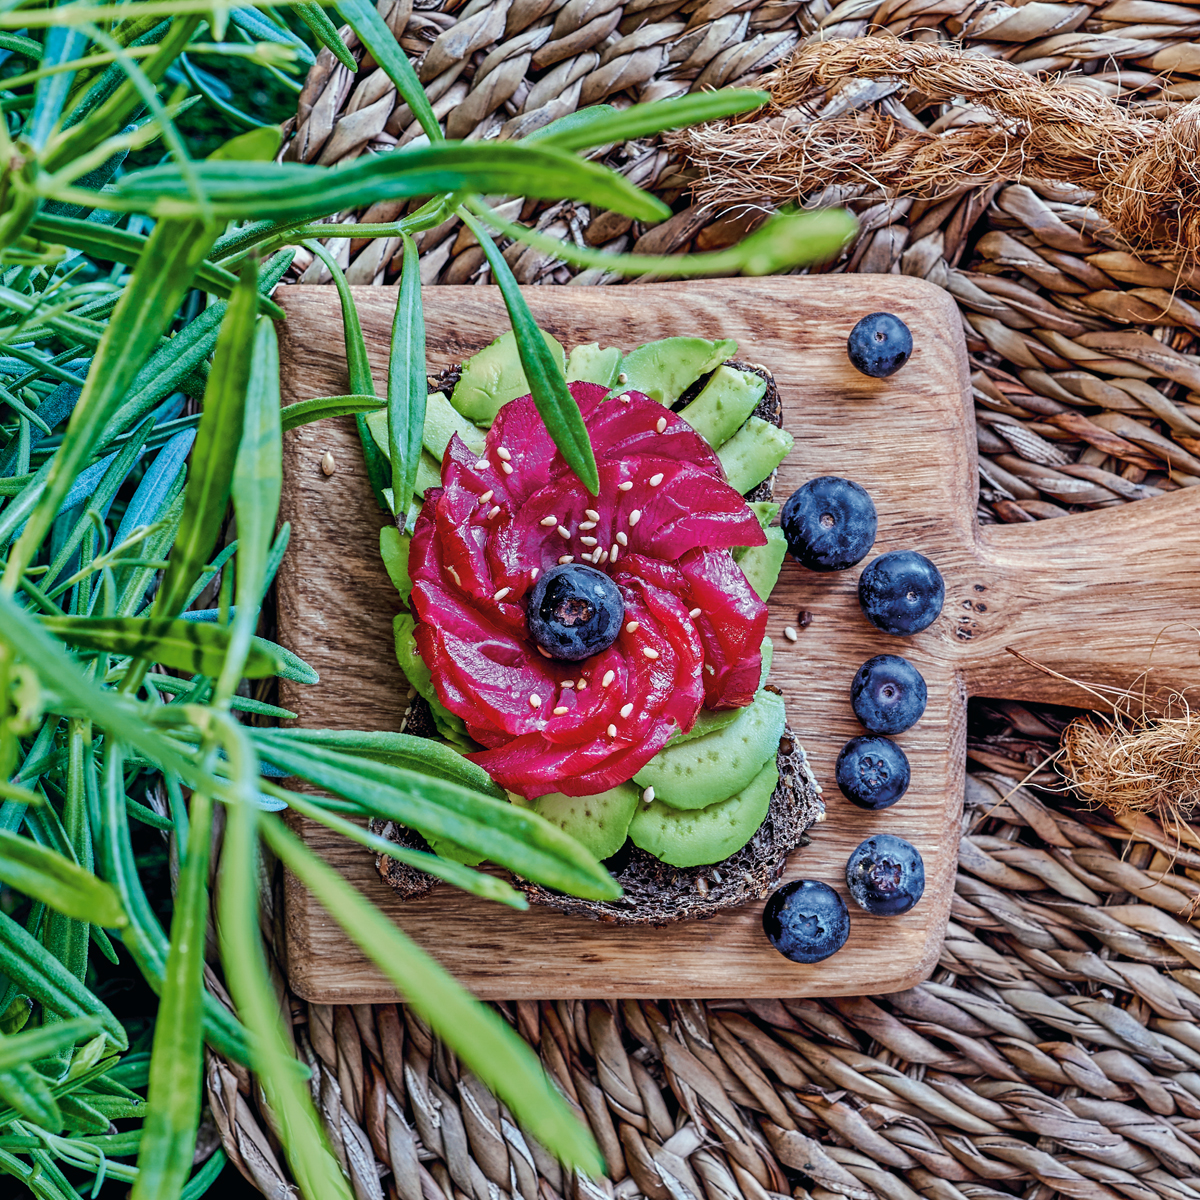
(1101, 596)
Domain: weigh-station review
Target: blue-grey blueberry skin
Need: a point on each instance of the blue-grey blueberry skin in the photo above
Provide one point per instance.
(888, 694)
(872, 772)
(901, 592)
(885, 875)
(574, 612)
(879, 345)
(829, 523)
(806, 921)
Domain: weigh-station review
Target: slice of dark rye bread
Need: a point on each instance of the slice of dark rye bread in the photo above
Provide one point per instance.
(656, 893)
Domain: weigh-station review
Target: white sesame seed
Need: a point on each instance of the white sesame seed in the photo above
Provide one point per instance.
(622, 378)
(648, 796)
(535, 702)
(411, 694)
(328, 466)
(635, 517)
(655, 480)
(482, 465)
(455, 574)
(695, 612)
(507, 468)
(534, 573)
(588, 541)
(568, 683)
(493, 512)
(623, 538)
(591, 514)
(650, 653)
(501, 593)
(543, 653)
(612, 731)
(603, 557)
(548, 521)
(561, 710)
(661, 425)
(790, 634)
(624, 487)
(503, 454)
(581, 686)
(624, 397)
(632, 627)
(609, 676)
(710, 668)
(486, 496)
(626, 709)
(614, 553)
(587, 524)
(564, 533)
(565, 558)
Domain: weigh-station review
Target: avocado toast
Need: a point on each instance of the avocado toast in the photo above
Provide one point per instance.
(659, 745)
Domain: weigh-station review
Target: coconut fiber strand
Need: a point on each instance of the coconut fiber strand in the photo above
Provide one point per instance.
(1143, 170)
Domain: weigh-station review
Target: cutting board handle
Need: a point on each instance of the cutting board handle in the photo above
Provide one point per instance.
(1103, 597)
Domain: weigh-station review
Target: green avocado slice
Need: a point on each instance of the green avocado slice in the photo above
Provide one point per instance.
(665, 370)
(728, 398)
(393, 549)
(495, 376)
(413, 665)
(709, 769)
(753, 453)
(704, 835)
(761, 564)
(593, 364)
(598, 823)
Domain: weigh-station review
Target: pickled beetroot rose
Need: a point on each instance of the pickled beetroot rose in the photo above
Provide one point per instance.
(661, 529)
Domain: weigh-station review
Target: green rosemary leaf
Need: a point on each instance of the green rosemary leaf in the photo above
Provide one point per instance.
(514, 837)
(292, 416)
(407, 387)
(177, 1060)
(599, 126)
(45, 875)
(215, 451)
(478, 1035)
(558, 408)
(195, 646)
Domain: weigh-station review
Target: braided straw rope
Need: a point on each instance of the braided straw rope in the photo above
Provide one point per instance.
(1055, 1050)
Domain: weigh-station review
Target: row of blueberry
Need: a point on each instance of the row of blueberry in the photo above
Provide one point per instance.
(830, 525)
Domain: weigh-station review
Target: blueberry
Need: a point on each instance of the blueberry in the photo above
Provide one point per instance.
(829, 523)
(806, 921)
(885, 875)
(575, 612)
(888, 694)
(872, 772)
(901, 592)
(879, 345)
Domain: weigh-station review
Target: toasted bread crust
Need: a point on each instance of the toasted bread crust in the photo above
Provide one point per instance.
(659, 894)
(655, 892)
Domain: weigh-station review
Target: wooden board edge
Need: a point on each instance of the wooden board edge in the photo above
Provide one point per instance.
(315, 988)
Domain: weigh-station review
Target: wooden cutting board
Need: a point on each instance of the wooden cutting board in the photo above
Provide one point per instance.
(1100, 596)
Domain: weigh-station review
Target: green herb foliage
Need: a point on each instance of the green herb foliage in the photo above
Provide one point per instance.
(141, 434)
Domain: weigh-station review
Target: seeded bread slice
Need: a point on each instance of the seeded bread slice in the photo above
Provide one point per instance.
(655, 892)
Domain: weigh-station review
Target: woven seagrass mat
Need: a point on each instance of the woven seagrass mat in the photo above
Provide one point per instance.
(1056, 1048)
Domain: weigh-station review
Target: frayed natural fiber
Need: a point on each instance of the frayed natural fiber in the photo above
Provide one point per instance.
(1144, 171)
(1145, 764)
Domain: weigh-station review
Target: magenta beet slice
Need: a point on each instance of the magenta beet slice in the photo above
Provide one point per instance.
(660, 528)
